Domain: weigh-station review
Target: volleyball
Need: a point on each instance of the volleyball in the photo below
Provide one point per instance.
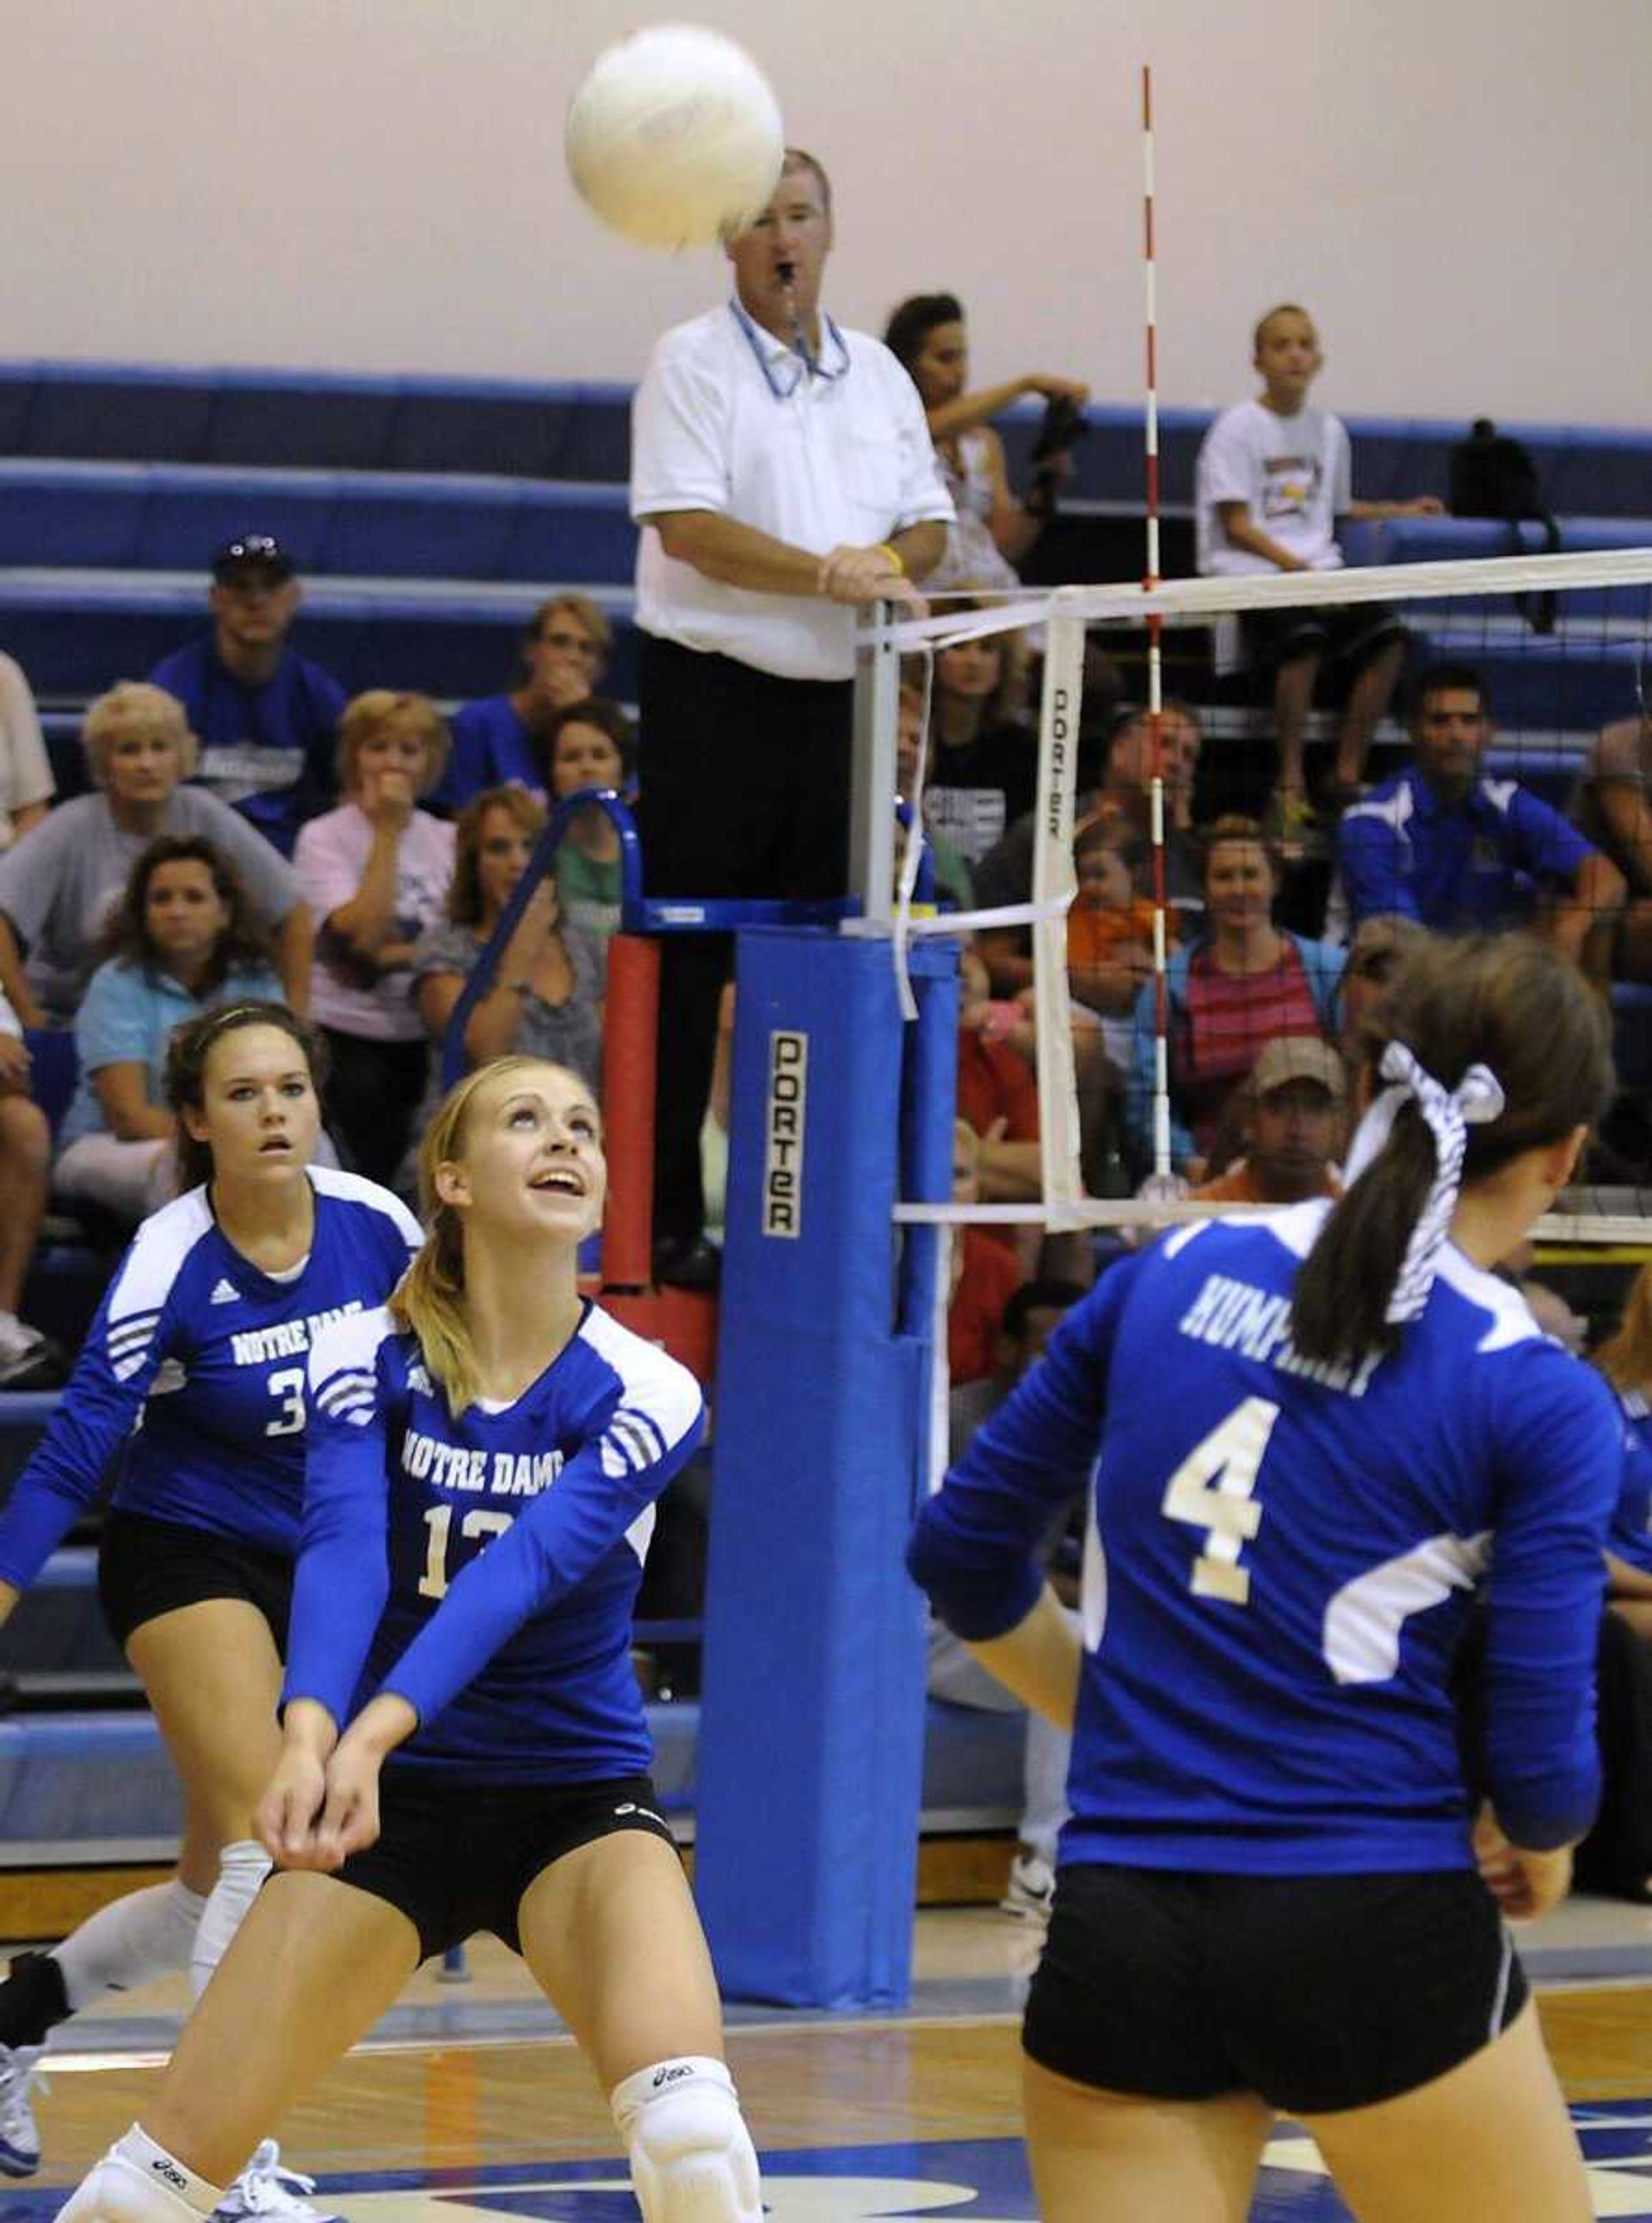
(674, 138)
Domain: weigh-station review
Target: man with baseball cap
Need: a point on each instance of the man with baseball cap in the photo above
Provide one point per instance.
(266, 717)
(1295, 1101)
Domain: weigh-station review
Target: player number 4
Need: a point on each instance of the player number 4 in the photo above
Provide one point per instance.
(1213, 1489)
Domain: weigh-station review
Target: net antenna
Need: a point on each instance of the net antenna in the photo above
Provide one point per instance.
(1155, 631)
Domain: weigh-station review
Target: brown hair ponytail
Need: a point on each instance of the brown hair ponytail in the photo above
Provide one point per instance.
(1625, 1357)
(1510, 1002)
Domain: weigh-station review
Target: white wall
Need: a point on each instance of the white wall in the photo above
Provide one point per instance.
(1458, 188)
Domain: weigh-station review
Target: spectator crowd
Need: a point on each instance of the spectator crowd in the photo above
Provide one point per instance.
(252, 832)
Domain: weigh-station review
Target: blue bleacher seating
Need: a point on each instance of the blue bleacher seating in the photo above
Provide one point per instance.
(70, 775)
(53, 1070)
(77, 1780)
(76, 633)
(367, 524)
(189, 414)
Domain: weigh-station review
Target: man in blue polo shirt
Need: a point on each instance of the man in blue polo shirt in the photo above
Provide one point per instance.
(265, 716)
(1443, 845)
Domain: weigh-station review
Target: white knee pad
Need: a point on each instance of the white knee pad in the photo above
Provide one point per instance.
(691, 2159)
(139, 2181)
(242, 1869)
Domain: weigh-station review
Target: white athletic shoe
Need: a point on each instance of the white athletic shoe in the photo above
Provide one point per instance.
(264, 2187)
(1031, 1889)
(20, 2142)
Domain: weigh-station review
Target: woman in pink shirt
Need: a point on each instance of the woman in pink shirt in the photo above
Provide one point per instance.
(375, 873)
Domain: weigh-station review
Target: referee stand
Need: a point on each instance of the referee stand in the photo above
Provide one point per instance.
(810, 1752)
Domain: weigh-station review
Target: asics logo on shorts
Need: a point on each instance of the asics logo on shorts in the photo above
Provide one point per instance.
(630, 1806)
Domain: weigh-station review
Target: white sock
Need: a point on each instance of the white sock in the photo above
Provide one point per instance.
(242, 1868)
(130, 1942)
(161, 2168)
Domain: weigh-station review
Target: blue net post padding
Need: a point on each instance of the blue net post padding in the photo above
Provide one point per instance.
(811, 1707)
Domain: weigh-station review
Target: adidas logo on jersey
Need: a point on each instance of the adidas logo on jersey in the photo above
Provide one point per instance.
(417, 1378)
(226, 1293)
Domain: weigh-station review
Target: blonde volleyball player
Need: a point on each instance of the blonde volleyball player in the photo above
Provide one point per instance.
(465, 1746)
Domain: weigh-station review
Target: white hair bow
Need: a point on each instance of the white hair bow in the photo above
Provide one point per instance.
(1449, 1113)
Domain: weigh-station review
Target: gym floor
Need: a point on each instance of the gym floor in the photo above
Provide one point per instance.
(469, 2103)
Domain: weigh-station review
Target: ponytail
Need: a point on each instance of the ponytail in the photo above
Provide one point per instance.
(1625, 1357)
(428, 1301)
(1495, 1045)
(1339, 1311)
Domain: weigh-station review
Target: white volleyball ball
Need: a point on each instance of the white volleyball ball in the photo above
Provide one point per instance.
(674, 138)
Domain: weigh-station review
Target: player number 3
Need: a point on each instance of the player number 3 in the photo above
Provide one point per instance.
(288, 1386)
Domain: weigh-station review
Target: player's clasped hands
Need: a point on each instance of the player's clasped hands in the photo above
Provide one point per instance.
(315, 1815)
(322, 1805)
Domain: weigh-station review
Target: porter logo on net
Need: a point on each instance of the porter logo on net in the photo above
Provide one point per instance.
(783, 1157)
(1060, 735)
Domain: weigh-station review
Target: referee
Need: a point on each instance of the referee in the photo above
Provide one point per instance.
(782, 474)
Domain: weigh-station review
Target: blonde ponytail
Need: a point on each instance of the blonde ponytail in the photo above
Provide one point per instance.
(428, 1301)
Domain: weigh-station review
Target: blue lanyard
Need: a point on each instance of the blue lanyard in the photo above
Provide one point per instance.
(804, 367)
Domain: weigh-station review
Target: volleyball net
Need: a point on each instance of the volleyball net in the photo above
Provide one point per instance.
(1153, 981)
(832, 1409)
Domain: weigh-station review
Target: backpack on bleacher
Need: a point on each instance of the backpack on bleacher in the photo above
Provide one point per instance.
(1493, 475)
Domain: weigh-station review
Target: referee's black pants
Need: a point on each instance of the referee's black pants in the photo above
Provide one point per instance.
(743, 784)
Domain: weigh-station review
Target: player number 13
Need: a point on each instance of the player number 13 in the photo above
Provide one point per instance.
(1213, 1489)
(438, 1519)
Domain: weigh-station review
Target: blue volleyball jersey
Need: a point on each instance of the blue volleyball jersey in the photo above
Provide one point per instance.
(1631, 1529)
(485, 1568)
(193, 1374)
(1281, 1556)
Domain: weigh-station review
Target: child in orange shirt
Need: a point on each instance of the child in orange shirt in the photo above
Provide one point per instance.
(1109, 924)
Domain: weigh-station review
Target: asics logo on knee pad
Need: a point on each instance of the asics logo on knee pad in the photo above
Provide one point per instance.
(168, 2175)
(671, 2076)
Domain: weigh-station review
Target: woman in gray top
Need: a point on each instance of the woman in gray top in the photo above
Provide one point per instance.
(60, 882)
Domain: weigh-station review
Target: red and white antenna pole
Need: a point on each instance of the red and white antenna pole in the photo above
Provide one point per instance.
(1155, 627)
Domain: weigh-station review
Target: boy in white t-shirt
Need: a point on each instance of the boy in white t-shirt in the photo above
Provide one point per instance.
(1273, 478)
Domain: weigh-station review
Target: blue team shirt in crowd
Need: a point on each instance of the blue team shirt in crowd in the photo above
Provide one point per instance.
(270, 750)
(1479, 863)
(485, 1568)
(193, 1373)
(1281, 1556)
(492, 747)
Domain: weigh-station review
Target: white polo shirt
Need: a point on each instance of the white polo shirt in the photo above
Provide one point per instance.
(728, 418)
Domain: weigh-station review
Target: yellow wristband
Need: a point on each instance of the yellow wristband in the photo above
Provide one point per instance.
(885, 548)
